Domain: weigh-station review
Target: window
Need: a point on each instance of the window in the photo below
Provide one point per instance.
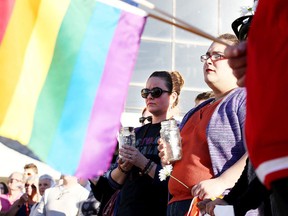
(165, 47)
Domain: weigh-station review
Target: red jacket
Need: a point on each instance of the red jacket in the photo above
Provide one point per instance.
(267, 91)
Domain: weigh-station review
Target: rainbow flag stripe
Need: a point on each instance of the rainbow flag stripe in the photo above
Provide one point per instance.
(65, 69)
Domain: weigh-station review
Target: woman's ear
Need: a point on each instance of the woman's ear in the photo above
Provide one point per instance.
(173, 98)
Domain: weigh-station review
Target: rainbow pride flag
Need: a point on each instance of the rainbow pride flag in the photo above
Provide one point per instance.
(65, 68)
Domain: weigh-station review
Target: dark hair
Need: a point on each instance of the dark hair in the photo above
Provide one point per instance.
(204, 95)
(173, 81)
(5, 188)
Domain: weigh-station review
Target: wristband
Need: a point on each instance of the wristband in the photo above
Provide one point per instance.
(149, 168)
(122, 170)
(142, 172)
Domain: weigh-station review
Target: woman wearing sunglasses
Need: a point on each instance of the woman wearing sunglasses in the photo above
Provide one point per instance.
(146, 116)
(142, 193)
(33, 197)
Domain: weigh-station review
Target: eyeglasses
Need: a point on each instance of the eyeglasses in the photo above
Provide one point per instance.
(213, 57)
(142, 119)
(13, 179)
(155, 92)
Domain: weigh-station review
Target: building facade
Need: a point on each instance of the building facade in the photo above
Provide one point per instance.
(166, 47)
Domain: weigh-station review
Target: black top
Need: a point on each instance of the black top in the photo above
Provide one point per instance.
(24, 210)
(249, 194)
(143, 195)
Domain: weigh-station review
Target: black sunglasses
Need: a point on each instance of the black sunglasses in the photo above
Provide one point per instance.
(142, 119)
(155, 92)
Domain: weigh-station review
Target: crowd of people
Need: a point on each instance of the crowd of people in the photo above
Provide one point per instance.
(26, 193)
(234, 150)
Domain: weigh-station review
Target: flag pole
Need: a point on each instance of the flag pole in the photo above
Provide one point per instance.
(184, 26)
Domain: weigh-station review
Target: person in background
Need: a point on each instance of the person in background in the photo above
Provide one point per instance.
(260, 66)
(85, 183)
(31, 189)
(213, 151)
(64, 199)
(3, 188)
(203, 96)
(103, 191)
(15, 207)
(146, 116)
(15, 187)
(30, 170)
(142, 192)
(91, 206)
(45, 181)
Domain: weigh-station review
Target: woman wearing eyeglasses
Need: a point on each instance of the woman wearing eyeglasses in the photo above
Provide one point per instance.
(15, 186)
(212, 137)
(142, 193)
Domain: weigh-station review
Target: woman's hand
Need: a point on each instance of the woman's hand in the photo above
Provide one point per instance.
(202, 205)
(23, 199)
(162, 152)
(207, 189)
(210, 206)
(132, 156)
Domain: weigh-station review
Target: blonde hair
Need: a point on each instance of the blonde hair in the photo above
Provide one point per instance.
(33, 181)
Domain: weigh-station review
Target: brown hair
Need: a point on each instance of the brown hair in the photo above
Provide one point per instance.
(173, 81)
(31, 166)
(229, 38)
(204, 95)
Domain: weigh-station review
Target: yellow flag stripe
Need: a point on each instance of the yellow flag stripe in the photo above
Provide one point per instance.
(12, 49)
(39, 54)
